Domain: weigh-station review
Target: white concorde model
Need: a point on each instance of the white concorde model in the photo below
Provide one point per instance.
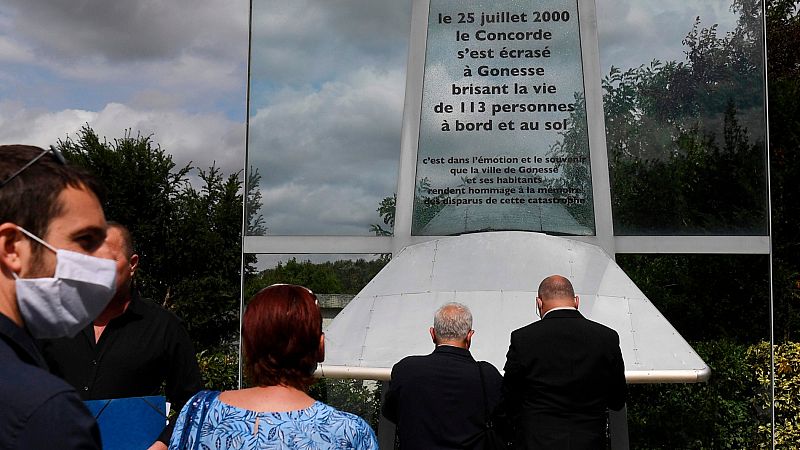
(497, 274)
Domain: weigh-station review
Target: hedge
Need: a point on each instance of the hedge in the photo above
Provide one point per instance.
(730, 411)
(787, 392)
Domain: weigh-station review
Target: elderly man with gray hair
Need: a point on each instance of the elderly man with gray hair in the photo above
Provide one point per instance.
(439, 401)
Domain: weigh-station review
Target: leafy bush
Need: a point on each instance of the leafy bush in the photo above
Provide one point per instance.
(219, 368)
(717, 414)
(787, 392)
(362, 398)
(731, 410)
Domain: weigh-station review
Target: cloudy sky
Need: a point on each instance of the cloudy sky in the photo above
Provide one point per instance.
(328, 81)
(176, 69)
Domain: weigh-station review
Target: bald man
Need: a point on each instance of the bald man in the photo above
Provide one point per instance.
(562, 375)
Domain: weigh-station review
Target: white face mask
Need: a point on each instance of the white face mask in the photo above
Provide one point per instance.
(63, 305)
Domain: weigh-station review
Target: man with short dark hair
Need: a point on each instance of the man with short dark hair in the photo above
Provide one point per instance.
(55, 277)
(132, 348)
(562, 375)
(437, 400)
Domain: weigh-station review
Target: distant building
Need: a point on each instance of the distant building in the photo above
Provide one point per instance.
(331, 305)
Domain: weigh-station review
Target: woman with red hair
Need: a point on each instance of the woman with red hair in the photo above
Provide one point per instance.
(282, 342)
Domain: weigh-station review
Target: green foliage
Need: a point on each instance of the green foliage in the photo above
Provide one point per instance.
(426, 206)
(219, 367)
(689, 179)
(787, 392)
(205, 258)
(142, 184)
(337, 277)
(684, 159)
(386, 209)
(706, 297)
(783, 40)
(255, 220)
(575, 143)
(681, 158)
(362, 398)
(188, 239)
(355, 274)
(318, 277)
(712, 415)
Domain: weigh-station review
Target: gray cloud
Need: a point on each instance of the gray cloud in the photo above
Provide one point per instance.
(192, 52)
(200, 138)
(632, 33)
(327, 157)
(124, 31)
(307, 41)
(328, 82)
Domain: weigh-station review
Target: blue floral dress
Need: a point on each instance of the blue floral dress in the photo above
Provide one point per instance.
(318, 427)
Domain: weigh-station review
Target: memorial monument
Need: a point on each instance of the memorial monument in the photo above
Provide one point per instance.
(504, 179)
(503, 83)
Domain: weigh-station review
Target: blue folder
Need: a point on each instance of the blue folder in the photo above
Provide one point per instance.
(129, 423)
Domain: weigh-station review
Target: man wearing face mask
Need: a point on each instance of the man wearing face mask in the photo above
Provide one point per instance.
(54, 279)
(562, 375)
(132, 348)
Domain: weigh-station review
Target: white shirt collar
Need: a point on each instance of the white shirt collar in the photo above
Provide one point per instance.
(558, 308)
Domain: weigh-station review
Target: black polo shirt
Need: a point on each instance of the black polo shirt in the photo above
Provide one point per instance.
(137, 352)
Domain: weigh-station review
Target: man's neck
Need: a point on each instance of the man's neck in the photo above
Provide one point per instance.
(115, 308)
(9, 306)
(453, 344)
(558, 308)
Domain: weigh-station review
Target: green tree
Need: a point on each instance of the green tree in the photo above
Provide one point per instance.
(386, 209)
(204, 258)
(189, 239)
(681, 159)
(575, 176)
(710, 297)
(331, 277)
(783, 38)
(426, 207)
(320, 278)
(256, 225)
(142, 185)
(717, 414)
(353, 275)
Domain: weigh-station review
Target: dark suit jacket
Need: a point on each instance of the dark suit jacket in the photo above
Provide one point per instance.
(436, 400)
(562, 374)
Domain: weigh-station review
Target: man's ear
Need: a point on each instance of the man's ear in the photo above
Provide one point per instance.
(468, 339)
(577, 301)
(11, 240)
(134, 263)
(433, 335)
